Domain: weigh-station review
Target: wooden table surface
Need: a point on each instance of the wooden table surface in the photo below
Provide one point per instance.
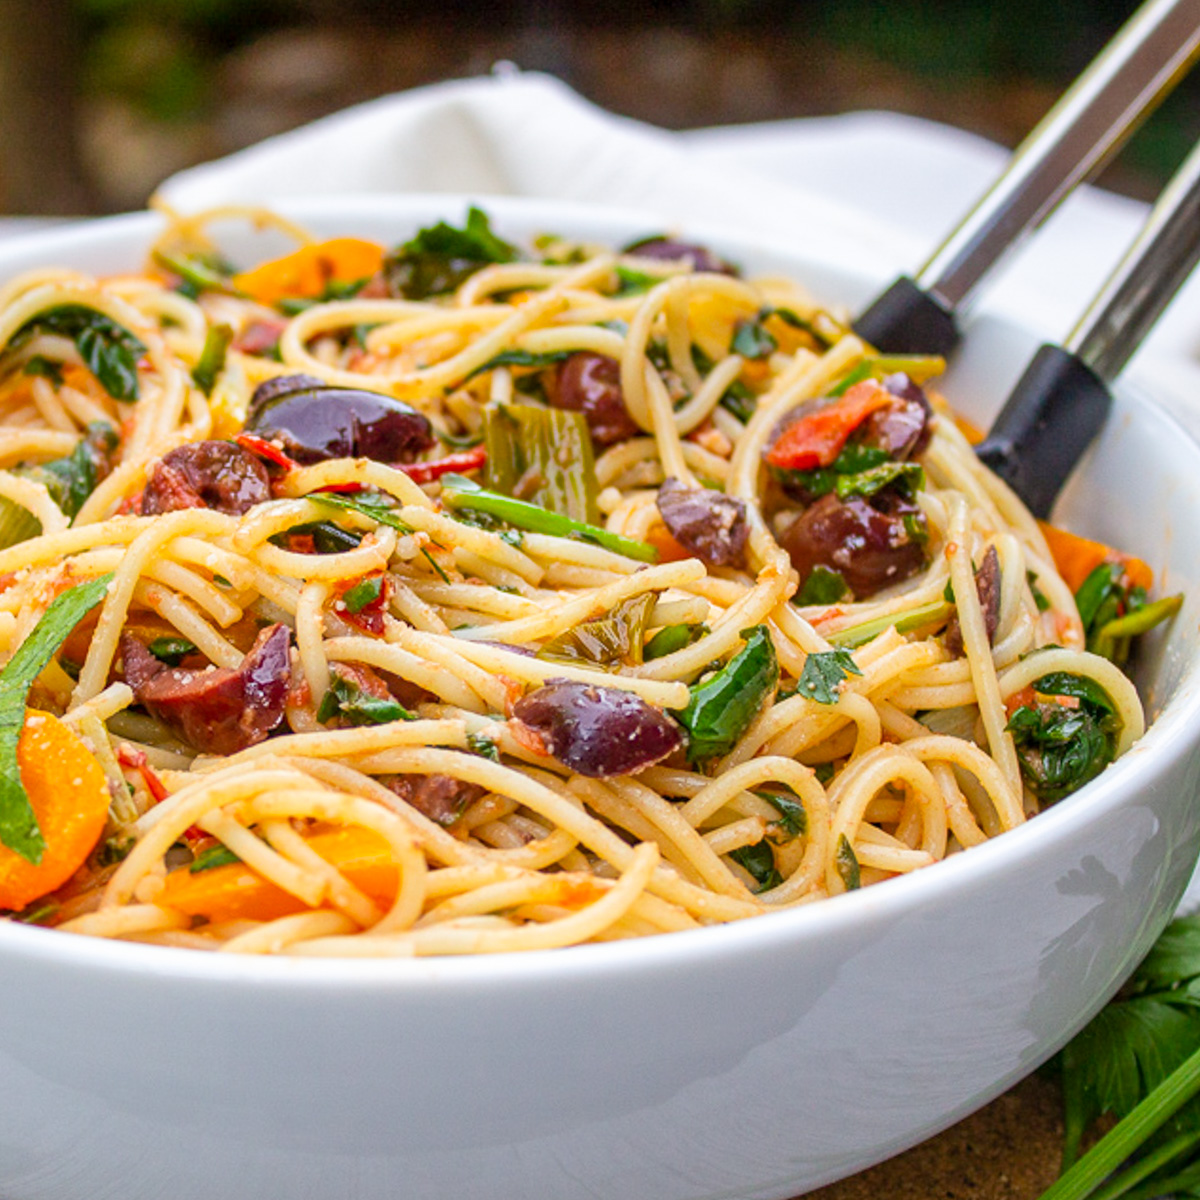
(1006, 1151)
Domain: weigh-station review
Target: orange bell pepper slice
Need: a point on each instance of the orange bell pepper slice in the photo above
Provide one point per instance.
(1077, 557)
(306, 273)
(69, 795)
(236, 892)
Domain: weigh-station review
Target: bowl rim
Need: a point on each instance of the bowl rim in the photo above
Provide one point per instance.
(1171, 735)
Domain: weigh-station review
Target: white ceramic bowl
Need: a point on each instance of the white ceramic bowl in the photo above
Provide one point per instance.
(754, 1060)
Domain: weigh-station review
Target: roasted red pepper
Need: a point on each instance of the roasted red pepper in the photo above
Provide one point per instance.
(817, 439)
(455, 464)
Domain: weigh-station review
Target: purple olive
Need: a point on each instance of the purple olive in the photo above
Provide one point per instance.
(708, 524)
(598, 731)
(667, 249)
(987, 585)
(313, 421)
(217, 475)
(218, 710)
(591, 384)
(870, 547)
(902, 429)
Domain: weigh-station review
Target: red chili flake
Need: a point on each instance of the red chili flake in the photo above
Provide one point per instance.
(266, 450)
(135, 760)
(427, 472)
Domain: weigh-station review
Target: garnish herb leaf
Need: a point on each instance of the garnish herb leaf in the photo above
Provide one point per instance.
(823, 673)
(759, 862)
(519, 358)
(366, 591)
(346, 699)
(18, 826)
(847, 864)
(793, 820)
(481, 744)
(721, 708)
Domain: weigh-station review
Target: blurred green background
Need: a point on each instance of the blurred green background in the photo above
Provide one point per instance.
(102, 99)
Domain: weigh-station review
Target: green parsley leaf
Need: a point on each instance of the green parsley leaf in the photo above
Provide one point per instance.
(759, 862)
(822, 586)
(846, 862)
(171, 650)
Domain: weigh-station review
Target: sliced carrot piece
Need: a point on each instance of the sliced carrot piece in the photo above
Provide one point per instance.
(235, 891)
(669, 550)
(307, 272)
(1077, 557)
(69, 796)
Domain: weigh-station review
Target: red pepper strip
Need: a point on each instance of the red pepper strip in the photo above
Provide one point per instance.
(817, 439)
(426, 472)
(127, 756)
(265, 449)
(343, 488)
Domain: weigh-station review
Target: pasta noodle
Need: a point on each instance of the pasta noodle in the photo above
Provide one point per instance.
(344, 707)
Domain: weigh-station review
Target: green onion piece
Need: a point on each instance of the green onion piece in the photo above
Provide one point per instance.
(902, 622)
(1143, 619)
(212, 357)
(547, 452)
(458, 492)
(199, 271)
(18, 826)
(671, 638)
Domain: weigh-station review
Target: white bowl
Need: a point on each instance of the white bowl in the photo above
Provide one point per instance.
(754, 1060)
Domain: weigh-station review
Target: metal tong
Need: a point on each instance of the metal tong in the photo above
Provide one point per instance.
(1091, 121)
(1063, 398)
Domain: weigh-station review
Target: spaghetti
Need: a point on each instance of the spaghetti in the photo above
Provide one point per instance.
(463, 603)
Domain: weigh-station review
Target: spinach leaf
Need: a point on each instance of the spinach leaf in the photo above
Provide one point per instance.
(823, 586)
(441, 257)
(110, 351)
(47, 368)
(823, 673)
(910, 476)
(1059, 748)
(18, 826)
(759, 862)
(720, 709)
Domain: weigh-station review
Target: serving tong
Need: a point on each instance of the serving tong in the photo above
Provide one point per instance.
(1063, 398)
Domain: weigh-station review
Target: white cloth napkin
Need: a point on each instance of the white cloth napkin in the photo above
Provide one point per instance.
(881, 188)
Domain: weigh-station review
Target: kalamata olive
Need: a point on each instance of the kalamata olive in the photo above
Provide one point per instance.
(869, 547)
(279, 385)
(591, 384)
(442, 798)
(987, 585)
(671, 250)
(313, 421)
(708, 524)
(598, 731)
(902, 429)
(218, 475)
(219, 710)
